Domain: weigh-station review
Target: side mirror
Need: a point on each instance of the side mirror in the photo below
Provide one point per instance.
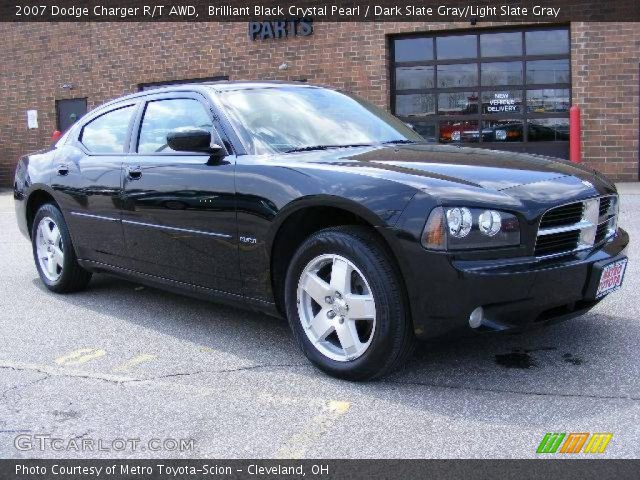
(191, 139)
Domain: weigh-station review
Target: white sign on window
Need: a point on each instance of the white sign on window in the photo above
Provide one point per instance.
(32, 119)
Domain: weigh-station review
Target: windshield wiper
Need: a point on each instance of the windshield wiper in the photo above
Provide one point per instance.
(307, 149)
(325, 147)
(397, 142)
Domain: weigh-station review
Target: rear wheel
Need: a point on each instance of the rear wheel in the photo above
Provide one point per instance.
(53, 252)
(346, 305)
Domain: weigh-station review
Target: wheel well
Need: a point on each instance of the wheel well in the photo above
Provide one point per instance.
(35, 201)
(295, 230)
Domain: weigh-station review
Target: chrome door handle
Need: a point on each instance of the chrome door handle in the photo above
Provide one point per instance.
(134, 173)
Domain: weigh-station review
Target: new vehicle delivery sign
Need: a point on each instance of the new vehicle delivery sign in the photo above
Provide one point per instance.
(502, 102)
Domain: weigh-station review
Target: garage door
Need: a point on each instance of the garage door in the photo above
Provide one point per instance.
(502, 89)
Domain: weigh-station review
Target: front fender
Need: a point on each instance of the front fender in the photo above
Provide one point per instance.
(380, 218)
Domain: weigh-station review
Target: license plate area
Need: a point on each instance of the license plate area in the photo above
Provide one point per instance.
(610, 278)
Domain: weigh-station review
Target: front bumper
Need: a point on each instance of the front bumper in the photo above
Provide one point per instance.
(515, 293)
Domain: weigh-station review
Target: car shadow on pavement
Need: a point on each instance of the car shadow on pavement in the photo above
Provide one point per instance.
(251, 336)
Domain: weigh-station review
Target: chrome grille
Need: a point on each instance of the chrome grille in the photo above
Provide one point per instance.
(576, 226)
(601, 232)
(605, 204)
(564, 215)
(557, 243)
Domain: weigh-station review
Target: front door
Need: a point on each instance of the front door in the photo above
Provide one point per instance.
(179, 217)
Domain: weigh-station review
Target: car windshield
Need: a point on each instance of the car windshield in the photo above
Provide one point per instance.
(290, 119)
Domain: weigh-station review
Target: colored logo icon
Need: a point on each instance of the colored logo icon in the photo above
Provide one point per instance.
(574, 442)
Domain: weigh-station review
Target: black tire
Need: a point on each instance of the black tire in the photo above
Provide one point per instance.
(73, 277)
(393, 339)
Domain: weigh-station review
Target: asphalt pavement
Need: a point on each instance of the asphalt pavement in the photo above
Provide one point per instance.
(124, 371)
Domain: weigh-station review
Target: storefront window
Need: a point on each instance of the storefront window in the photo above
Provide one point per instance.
(548, 129)
(548, 100)
(547, 42)
(415, 78)
(461, 46)
(413, 49)
(501, 88)
(501, 73)
(458, 103)
(506, 130)
(426, 130)
(548, 71)
(459, 132)
(415, 105)
(457, 75)
(501, 44)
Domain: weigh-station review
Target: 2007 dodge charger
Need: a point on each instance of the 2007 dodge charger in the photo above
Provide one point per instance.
(306, 202)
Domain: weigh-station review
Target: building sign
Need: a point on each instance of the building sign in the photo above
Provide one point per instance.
(32, 119)
(280, 29)
(502, 102)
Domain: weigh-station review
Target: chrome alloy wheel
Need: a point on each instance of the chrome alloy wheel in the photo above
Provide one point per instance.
(336, 307)
(49, 249)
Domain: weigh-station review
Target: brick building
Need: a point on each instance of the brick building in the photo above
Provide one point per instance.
(488, 85)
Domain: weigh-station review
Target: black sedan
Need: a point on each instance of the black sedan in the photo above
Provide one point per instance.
(312, 204)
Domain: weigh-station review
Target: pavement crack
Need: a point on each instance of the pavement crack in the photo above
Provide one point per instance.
(51, 371)
(228, 370)
(266, 366)
(15, 388)
(515, 392)
(171, 375)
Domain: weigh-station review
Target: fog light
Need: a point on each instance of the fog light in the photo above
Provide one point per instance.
(475, 319)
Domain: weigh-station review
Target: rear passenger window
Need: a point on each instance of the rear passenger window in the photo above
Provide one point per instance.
(108, 132)
(162, 116)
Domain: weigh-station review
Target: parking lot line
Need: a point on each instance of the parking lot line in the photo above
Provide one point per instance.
(80, 356)
(64, 372)
(134, 362)
(297, 446)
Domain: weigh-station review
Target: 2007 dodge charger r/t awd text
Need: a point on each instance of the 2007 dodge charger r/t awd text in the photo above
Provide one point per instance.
(309, 203)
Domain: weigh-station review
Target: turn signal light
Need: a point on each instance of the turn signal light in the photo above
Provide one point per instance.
(434, 235)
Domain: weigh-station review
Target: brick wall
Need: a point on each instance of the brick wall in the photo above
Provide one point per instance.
(105, 60)
(605, 64)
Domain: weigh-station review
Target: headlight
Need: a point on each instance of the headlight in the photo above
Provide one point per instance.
(459, 222)
(451, 228)
(490, 222)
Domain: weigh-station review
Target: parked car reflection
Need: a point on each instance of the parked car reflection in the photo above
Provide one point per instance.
(205, 200)
(498, 131)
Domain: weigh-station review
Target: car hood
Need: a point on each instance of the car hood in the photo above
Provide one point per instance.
(432, 167)
(488, 169)
(453, 174)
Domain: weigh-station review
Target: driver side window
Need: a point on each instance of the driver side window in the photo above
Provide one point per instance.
(162, 116)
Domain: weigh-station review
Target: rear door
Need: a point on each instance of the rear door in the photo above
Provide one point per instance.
(88, 182)
(179, 212)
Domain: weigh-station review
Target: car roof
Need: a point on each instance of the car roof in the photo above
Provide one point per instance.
(219, 86)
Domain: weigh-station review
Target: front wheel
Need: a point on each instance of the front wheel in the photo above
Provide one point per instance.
(53, 252)
(346, 305)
